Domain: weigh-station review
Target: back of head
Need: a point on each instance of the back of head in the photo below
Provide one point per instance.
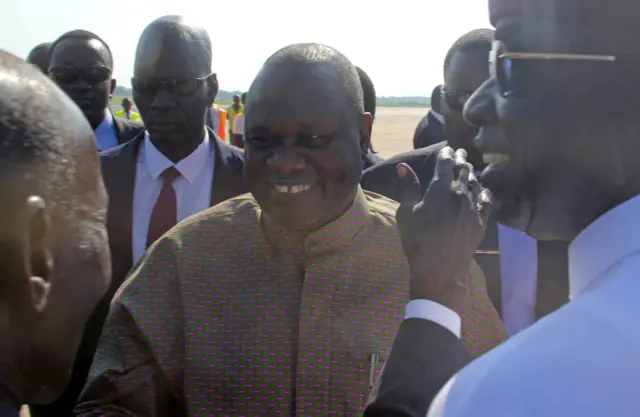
(39, 56)
(435, 98)
(53, 204)
(369, 92)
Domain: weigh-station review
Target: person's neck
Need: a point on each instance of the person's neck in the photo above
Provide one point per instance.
(177, 151)
(97, 120)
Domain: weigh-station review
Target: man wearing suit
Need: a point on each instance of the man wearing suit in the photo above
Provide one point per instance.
(81, 64)
(511, 260)
(370, 158)
(55, 252)
(430, 130)
(175, 169)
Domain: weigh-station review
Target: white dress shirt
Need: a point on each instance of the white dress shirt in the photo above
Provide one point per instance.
(582, 360)
(193, 187)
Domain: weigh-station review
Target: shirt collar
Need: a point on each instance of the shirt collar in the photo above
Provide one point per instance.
(106, 124)
(189, 167)
(603, 243)
(338, 233)
(437, 115)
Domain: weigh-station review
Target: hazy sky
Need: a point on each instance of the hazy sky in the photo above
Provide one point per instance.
(401, 44)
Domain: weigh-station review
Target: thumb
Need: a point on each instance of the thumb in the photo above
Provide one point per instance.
(410, 190)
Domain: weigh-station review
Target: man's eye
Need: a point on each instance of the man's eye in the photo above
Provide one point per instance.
(316, 141)
(258, 141)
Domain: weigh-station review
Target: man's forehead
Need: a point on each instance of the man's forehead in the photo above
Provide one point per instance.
(167, 54)
(576, 26)
(467, 71)
(80, 51)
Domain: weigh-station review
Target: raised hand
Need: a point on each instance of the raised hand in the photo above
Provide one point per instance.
(441, 230)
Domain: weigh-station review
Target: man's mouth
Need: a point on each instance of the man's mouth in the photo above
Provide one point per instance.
(292, 189)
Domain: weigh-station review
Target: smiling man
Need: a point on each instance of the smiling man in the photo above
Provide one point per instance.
(285, 301)
(81, 63)
(569, 172)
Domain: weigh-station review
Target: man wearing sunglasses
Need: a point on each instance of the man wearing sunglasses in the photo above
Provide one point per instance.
(81, 64)
(567, 170)
(507, 256)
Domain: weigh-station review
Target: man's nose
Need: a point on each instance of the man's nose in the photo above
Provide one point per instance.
(286, 159)
(163, 100)
(81, 86)
(480, 109)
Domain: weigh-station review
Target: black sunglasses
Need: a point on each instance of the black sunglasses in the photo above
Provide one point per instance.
(174, 86)
(455, 99)
(501, 62)
(91, 75)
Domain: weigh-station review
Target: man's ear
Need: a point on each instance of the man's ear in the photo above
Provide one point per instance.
(37, 253)
(212, 87)
(113, 86)
(366, 127)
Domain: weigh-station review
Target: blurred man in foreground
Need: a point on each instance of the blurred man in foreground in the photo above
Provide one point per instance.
(302, 321)
(565, 169)
(55, 255)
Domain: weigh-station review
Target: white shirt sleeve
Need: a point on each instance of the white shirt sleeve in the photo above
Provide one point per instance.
(437, 313)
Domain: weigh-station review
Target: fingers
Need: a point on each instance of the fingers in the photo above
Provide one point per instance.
(410, 191)
(485, 201)
(474, 186)
(444, 165)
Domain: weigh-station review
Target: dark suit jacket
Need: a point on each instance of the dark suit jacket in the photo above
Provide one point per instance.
(429, 131)
(126, 129)
(118, 171)
(423, 358)
(372, 159)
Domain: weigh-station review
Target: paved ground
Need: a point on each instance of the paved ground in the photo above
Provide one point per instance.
(393, 129)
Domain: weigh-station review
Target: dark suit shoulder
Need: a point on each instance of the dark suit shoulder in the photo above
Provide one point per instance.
(127, 129)
(382, 178)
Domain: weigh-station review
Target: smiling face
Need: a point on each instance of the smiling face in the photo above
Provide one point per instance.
(303, 144)
(558, 156)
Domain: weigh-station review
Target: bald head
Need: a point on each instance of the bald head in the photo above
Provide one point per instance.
(175, 40)
(39, 56)
(54, 254)
(319, 64)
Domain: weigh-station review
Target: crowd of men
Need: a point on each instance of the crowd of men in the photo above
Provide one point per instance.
(157, 270)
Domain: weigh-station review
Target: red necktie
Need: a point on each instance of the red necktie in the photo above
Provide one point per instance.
(165, 211)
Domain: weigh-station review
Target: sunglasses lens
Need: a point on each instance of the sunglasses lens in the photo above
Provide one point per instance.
(186, 87)
(145, 87)
(96, 75)
(64, 76)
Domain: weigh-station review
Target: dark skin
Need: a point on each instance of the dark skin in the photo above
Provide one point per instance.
(466, 72)
(55, 262)
(39, 56)
(561, 175)
(126, 105)
(301, 130)
(171, 50)
(73, 56)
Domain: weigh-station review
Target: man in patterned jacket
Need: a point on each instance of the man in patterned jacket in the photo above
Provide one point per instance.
(285, 301)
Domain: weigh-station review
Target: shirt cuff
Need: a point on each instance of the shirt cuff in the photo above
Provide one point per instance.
(437, 313)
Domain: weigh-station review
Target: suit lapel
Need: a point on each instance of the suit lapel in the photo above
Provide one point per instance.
(119, 128)
(121, 194)
(222, 175)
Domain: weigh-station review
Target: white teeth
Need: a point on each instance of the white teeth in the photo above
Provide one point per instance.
(495, 158)
(291, 189)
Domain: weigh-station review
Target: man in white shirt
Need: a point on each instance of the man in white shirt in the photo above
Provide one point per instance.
(173, 170)
(570, 173)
